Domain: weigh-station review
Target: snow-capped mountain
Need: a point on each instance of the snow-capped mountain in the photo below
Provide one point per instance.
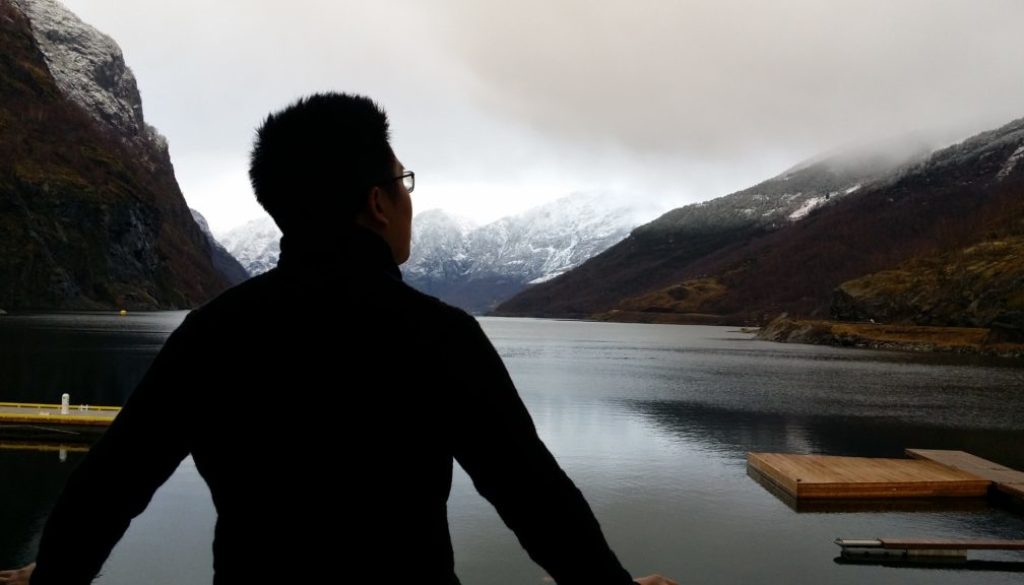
(256, 244)
(477, 267)
(440, 246)
(473, 266)
(90, 70)
(548, 240)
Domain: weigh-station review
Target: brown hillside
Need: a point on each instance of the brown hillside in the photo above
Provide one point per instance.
(796, 270)
(660, 253)
(960, 196)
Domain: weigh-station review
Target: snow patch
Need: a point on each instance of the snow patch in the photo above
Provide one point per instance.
(802, 211)
(1010, 163)
(89, 69)
(546, 277)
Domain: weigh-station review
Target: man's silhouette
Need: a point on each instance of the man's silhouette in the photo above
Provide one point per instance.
(325, 401)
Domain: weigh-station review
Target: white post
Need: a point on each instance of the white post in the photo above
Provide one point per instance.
(65, 403)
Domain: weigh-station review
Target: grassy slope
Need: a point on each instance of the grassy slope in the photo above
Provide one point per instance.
(889, 336)
(932, 218)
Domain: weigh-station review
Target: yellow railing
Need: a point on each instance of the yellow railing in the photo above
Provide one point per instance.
(45, 447)
(75, 407)
(45, 417)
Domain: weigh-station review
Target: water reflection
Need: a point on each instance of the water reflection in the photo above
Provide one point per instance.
(652, 422)
(732, 433)
(970, 565)
(32, 480)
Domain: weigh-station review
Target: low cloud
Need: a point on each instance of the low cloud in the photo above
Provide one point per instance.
(680, 100)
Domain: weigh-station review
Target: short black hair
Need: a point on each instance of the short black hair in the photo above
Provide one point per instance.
(317, 158)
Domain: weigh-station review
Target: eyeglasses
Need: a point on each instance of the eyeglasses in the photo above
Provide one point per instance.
(408, 180)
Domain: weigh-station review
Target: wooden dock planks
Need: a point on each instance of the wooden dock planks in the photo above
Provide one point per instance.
(1014, 489)
(832, 477)
(1006, 479)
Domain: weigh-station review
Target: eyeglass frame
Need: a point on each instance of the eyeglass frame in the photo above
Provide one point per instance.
(410, 184)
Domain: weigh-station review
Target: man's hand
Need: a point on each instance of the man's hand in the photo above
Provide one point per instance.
(17, 576)
(655, 580)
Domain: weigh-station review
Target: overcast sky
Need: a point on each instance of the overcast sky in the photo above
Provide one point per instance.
(500, 106)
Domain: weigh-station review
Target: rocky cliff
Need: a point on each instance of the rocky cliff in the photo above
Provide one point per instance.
(91, 216)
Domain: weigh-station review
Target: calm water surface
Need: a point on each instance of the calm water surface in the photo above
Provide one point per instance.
(653, 422)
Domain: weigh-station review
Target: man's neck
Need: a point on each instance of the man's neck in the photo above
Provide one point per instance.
(334, 249)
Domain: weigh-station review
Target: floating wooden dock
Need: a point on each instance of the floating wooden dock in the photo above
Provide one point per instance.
(928, 474)
(945, 553)
(831, 477)
(905, 547)
(44, 447)
(54, 422)
(53, 414)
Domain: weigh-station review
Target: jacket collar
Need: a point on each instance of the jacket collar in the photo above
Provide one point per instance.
(354, 247)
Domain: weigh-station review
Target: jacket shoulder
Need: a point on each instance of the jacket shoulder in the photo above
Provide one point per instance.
(242, 300)
(428, 302)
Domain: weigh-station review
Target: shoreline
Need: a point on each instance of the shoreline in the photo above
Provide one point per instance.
(962, 340)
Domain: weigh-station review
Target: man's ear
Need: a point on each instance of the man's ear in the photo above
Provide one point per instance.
(376, 210)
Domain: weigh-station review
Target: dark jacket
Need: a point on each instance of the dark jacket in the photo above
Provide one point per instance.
(323, 402)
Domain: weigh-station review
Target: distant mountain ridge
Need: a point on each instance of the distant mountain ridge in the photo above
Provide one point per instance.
(88, 198)
(476, 267)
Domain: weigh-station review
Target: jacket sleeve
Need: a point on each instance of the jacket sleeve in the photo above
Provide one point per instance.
(117, 478)
(495, 441)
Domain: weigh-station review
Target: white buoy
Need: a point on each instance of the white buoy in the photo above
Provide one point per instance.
(65, 403)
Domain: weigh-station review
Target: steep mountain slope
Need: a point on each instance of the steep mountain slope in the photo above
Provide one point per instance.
(660, 253)
(223, 261)
(953, 217)
(90, 211)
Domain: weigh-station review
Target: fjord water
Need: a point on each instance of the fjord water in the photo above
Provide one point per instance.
(653, 422)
